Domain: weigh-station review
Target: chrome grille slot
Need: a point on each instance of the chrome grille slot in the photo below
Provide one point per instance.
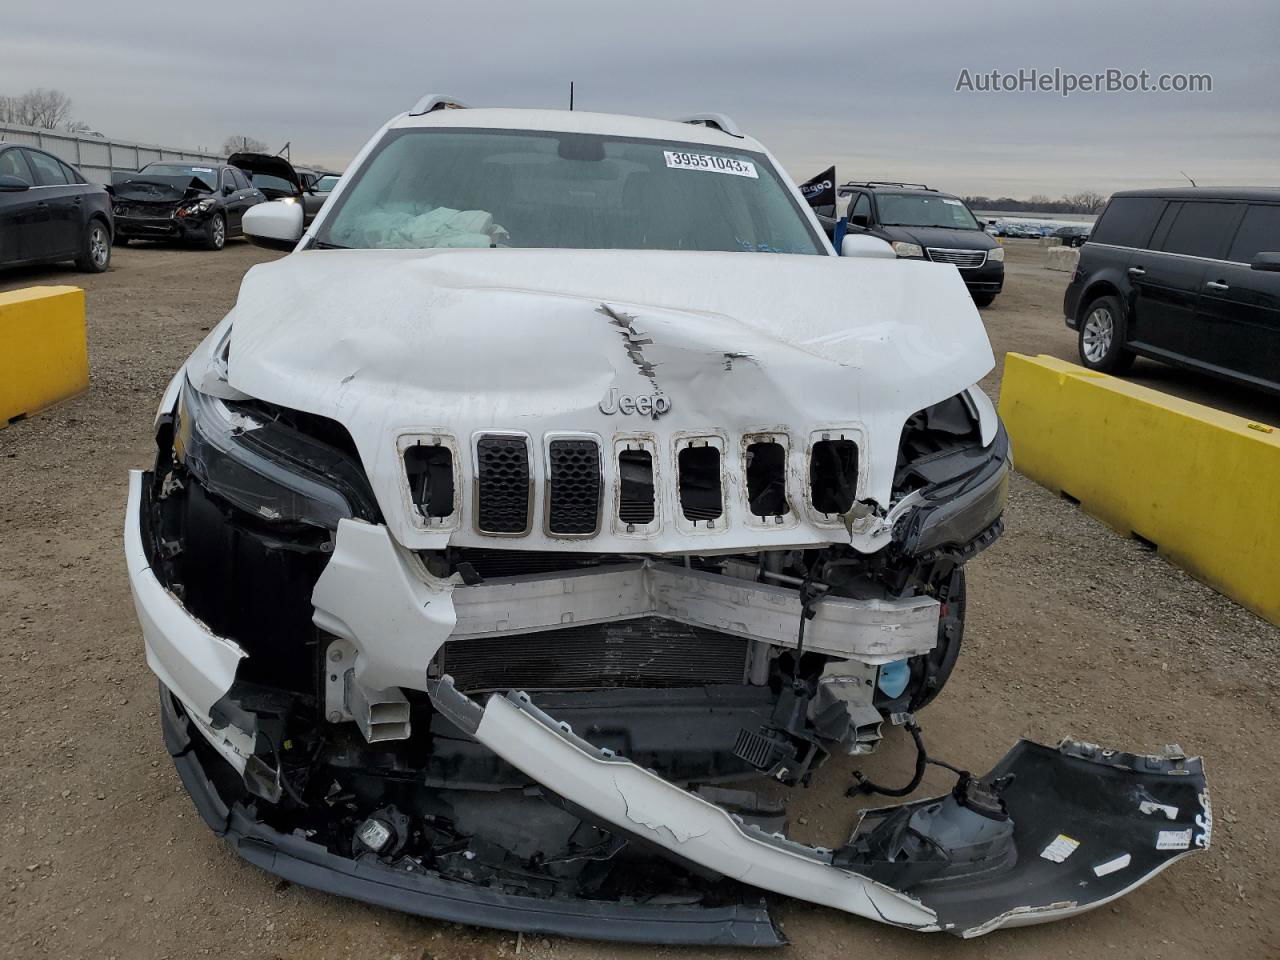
(503, 485)
(766, 468)
(833, 475)
(429, 468)
(701, 496)
(573, 477)
(636, 505)
(964, 259)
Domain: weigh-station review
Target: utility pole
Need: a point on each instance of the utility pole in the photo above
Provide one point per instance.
(570, 94)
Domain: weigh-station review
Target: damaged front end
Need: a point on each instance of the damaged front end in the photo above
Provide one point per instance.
(590, 743)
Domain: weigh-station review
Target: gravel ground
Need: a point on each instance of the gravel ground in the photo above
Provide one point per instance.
(1072, 630)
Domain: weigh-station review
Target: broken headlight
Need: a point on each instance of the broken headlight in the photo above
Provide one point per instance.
(263, 460)
(195, 208)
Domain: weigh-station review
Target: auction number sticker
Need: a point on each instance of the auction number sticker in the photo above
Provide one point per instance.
(705, 161)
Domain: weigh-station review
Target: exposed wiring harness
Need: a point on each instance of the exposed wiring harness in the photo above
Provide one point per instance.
(865, 785)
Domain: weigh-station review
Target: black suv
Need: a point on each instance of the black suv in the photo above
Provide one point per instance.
(1189, 276)
(927, 225)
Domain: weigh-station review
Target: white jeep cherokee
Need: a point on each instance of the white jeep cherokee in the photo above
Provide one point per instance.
(560, 490)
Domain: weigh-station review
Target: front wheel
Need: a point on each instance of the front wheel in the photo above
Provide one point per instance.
(217, 238)
(95, 248)
(1102, 337)
(984, 299)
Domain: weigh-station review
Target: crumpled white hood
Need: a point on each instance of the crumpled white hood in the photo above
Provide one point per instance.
(460, 341)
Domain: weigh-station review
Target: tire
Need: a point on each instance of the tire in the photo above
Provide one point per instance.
(95, 247)
(217, 238)
(1102, 336)
(984, 299)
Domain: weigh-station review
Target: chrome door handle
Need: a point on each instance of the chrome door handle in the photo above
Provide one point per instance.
(1217, 285)
(1137, 272)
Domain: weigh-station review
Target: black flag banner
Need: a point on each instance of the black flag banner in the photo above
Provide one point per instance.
(821, 190)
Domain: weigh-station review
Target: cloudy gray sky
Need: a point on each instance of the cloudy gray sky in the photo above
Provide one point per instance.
(872, 90)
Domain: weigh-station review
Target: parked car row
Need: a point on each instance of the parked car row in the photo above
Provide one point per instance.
(50, 212)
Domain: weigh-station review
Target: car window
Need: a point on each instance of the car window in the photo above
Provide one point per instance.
(1128, 221)
(70, 171)
(228, 179)
(1259, 233)
(515, 188)
(241, 181)
(326, 184)
(861, 208)
(1201, 229)
(13, 164)
(48, 170)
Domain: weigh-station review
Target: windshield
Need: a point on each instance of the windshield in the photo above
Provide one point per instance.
(506, 188)
(206, 175)
(924, 210)
(268, 182)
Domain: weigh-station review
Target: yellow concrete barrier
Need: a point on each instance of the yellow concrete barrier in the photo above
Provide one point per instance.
(1202, 485)
(44, 355)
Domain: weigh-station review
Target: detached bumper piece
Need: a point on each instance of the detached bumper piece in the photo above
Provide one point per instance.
(1048, 833)
(1076, 827)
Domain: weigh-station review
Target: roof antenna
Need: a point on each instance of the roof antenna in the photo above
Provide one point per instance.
(570, 94)
(1184, 173)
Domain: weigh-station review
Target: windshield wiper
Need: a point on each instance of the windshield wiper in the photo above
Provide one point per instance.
(326, 245)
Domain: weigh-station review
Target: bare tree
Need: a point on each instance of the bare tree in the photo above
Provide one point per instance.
(1086, 201)
(37, 108)
(242, 144)
(77, 126)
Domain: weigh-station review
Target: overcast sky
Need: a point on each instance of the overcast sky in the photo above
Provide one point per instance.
(871, 90)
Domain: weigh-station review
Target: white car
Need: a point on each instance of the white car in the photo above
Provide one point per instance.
(560, 488)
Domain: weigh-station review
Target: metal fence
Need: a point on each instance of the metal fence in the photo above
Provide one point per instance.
(98, 157)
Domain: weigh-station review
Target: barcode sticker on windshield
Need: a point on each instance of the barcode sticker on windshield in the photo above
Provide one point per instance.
(704, 161)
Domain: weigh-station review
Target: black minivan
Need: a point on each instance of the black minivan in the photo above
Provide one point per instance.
(1188, 276)
(924, 224)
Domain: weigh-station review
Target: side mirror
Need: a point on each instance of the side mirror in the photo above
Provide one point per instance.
(228, 190)
(859, 245)
(1270, 262)
(275, 225)
(12, 184)
(860, 220)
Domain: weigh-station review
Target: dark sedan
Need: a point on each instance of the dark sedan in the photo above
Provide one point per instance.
(196, 203)
(49, 212)
(1072, 236)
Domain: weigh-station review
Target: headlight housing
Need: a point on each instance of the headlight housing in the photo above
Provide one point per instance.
(259, 461)
(996, 255)
(194, 209)
(903, 249)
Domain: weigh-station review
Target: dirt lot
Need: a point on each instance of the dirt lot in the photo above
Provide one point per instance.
(1072, 630)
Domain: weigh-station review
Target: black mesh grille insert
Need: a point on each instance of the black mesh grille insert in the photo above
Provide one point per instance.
(635, 489)
(833, 474)
(502, 484)
(649, 652)
(767, 479)
(430, 471)
(573, 505)
(700, 496)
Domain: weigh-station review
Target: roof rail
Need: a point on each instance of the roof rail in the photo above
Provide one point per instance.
(716, 121)
(887, 183)
(436, 101)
